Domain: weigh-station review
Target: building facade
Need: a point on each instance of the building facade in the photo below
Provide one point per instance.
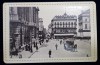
(23, 26)
(41, 30)
(84, 24)
(64, 26)
(41, 24)
(49, 28)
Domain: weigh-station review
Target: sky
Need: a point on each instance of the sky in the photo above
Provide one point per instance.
(47, 12)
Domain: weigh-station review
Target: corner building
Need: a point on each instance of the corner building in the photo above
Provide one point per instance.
(64, 26)
(84, 24)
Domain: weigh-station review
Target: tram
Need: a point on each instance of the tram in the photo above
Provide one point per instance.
(69, 44)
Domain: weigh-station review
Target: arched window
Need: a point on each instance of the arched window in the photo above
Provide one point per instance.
(85, 20)
(57, 24)
(63, 24)
(60, 24)
(53, 25)
(85, 26)
(66, 24)
(72, 24)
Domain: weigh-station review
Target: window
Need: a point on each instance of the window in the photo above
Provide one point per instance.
(69, 24)
(63, 24)
(66, 24)
(72, 24)
(58, 24)
(85, 26)
(85, 20)
(60, 30)
(55, 24)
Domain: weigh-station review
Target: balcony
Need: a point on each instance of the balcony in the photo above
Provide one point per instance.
(80, 30)
(80, 23)
(17, 31)
(64, 32)
(31, 24)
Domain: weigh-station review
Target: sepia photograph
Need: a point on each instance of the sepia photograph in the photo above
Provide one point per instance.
(35, 35)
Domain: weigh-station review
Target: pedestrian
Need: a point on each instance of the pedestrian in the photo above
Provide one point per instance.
(36, 48)
(16, 52)
(75, 47)
(34, 42)
(60, 41)
(56, 46)
(19, 47)
(87, 55)
(31, 50)
(28, 47)
(11, 54)
(20, 55)
(50, 53)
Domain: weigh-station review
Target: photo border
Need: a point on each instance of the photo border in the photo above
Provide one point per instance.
(6, 28)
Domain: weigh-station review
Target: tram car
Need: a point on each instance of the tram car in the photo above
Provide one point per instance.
(68, 44)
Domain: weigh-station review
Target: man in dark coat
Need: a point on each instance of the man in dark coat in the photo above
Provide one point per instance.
(50, 53)
(36, 48)
(60, 41)
(75, 47)
(56, 46)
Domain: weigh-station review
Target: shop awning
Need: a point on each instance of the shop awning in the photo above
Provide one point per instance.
(63, 34)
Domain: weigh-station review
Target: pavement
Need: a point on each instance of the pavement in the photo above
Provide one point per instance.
(83, 49)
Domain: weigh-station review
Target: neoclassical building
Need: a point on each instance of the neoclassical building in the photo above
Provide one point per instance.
(64, 26)
(84, 24)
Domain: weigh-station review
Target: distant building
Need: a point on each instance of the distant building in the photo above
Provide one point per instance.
(44, 32)
(41, 24)
(49, 28)
(41, 27)
(84, 24)
(64, 26)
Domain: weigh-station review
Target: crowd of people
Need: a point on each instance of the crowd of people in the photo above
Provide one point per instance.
(27, 46)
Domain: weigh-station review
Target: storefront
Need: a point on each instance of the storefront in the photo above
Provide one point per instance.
(63, 36)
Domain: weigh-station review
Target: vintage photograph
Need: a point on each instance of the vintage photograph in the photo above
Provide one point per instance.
(49, 32)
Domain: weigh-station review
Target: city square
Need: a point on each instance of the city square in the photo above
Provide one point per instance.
(65, 35)
(43, 51)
